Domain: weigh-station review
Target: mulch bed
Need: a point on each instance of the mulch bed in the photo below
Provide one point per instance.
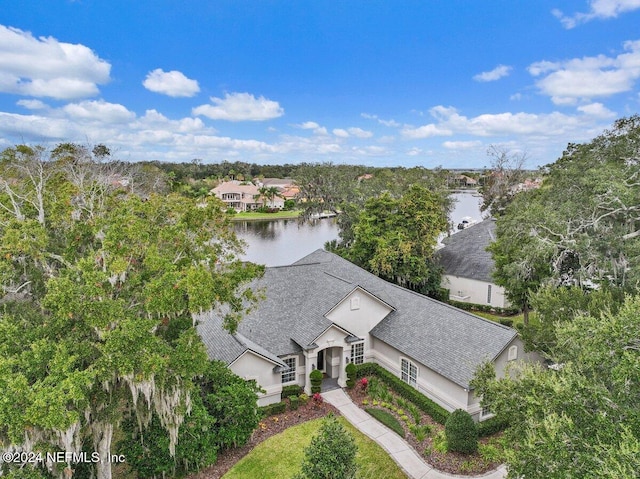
(450, 462)
(268, 427)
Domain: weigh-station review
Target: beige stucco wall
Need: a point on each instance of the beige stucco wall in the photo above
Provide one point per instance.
(459, 288)
(502, 364)
(251, 366)
(438, 388)
(359, 321)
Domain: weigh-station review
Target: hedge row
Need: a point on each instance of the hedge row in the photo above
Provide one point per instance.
(437, 412)
(273, 409)
(292, 390)
(491, 426)
(483, 307)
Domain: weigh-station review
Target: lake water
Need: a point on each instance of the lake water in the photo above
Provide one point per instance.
(282, 242)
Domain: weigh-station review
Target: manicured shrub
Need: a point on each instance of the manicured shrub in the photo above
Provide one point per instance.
(294, 402)
(461, 432)
(303, 398)
(387, 419)
(491, 426)
(278, 407)
(351, 375)
(316, 381)
(331, 454)
(293, 390)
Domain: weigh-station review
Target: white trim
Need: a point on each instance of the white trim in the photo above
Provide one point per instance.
(295, 370)
(408, 373)
(258, 355)
(484, 415)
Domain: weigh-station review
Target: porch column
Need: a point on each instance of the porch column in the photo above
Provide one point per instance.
(342, 375)
(310, 359)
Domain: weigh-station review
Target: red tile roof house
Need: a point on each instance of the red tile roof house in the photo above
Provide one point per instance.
(324, 312)
(240, 197)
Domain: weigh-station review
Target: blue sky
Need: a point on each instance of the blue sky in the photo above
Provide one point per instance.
(382, 83)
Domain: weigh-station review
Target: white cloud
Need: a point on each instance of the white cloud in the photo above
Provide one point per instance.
(45, 67)
(312, 125)
(353, 131)
(359, 133)
(588, 77)
(240, 107)
(523, 125)
(597, 110)
(309, 125)
(414, 151)
(462, 145)
(601, 9)
(498, 72)
(99, 111)
(425, 131)
(516, 97)
(390, 123)
(32, 104)
(172, 83)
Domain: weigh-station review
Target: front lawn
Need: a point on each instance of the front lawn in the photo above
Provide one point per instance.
(280, 456)
(256, 216)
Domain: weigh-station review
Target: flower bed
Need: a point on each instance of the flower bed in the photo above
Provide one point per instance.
(424, 434)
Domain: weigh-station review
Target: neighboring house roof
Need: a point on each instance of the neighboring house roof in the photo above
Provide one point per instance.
(448, 340)
(278, 182)
(235, 187)
(465, 253)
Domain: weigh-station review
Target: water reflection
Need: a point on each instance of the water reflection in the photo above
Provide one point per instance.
(282, 242)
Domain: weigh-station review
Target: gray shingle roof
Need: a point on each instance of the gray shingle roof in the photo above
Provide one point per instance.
(465, 255)
(450, 341)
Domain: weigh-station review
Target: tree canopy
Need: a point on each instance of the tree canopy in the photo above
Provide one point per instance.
(582, 226)
(100, 276)
(395, 238)
(582, 418)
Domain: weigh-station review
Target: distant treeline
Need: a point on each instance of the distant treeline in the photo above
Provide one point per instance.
(198, 170)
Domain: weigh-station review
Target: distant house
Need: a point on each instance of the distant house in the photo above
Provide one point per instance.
(291, 192)
(468, 266)
(465, 181)
(239, 196)
(324, 312)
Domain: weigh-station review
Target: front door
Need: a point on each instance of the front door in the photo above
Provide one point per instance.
(321, 360)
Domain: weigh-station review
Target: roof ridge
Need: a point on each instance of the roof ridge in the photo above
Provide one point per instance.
(339, 278)
(468, 313)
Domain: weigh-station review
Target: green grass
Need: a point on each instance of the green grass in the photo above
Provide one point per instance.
(253, 215)
(280, 456)
(387, 419)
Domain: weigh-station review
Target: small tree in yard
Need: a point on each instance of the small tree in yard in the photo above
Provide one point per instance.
(461, 432)
(331, 454)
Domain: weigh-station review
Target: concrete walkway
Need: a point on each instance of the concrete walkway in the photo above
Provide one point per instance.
(411, 463)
